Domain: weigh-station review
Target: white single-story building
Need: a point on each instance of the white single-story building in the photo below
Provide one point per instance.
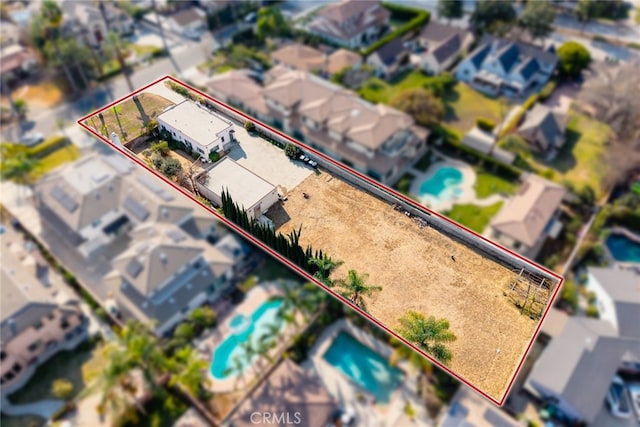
(248, 190)
(199, 128)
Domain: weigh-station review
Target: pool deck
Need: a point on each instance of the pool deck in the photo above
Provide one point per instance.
(347, 392)
(468, 194)
(207, 346)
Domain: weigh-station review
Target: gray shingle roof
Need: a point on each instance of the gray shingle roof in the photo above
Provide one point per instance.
(389, 53)
(447, 49)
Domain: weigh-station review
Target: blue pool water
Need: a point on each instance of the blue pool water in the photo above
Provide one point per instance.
(364, 366)
(230, 358)
(623, 249)
(443, 184)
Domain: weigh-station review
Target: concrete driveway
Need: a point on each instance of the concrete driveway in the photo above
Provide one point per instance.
(267, 161)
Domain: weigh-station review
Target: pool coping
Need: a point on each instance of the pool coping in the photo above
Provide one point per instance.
(635, 237)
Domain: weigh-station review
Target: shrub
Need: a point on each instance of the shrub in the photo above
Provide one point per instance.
(157, 161)
(214, 156)
(420, 18)
(161, 148)
(485, 124)
(547, 90)
(548, 174)
(592, 297)
(180, 89)
(592, 311)
(249, 126)
(62, 389)
(171, 167)
(439, 85)
(184, 331)
(203, 317)
(102, 314)
(530, 102)
(49, 145)
(292, 151)
(572, 59)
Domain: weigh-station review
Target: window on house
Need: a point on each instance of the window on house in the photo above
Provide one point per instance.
(16, 368)
(517, 245)
(34, 345)
(3, 355)
(37, 325)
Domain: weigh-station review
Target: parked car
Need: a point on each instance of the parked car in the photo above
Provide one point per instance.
(618, 401)
(634, 392)
(251, 18)
(346, 416)
(32, 139)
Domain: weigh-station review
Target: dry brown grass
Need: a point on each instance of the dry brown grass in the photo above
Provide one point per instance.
(131, 118)
(44, 94)
(415, 269)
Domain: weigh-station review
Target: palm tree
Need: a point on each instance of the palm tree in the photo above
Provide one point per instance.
(18, 166)
(118, 45)
(189, 371)
(430, 334)
(415, 359)
(52, 16)
(326, 266)
(355, 289)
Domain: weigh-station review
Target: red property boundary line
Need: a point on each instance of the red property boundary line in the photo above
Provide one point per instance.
(304, 273)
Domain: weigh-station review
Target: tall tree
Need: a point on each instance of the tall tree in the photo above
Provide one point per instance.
(325, 266)
(537, 19)
(430, 334)
(355, 289)
(450, 9)
(421, 104)
(189, 371)
(572, 59)
(493, 16)
(271, 23)
(18, 166)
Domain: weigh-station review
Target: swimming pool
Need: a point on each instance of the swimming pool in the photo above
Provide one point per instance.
(364, 366)
(623, 249)
(443, 185)
(230, 358)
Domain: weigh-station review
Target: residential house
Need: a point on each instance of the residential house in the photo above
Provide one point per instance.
(33, 326)
(502, 67)
(288, 396)
(189, 22)
(94, 202)
(239, 89)
(297, 56)
(576, 369)
(485, 142)
(444, 44)
(164, 274)
(16, 62)
(530, 217)
(389, 59)
(376, 140)
(86, 21)
(250, 191)
(544, 129)
(342, 59)
(468, 408)
(200, 129)
(350, 23)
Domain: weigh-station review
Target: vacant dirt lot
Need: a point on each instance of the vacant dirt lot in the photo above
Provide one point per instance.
(415, 269)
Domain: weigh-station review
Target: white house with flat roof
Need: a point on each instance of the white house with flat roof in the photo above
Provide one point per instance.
(197, 127)
(248, 190)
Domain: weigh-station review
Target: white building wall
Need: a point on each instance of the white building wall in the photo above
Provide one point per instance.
(606, 306)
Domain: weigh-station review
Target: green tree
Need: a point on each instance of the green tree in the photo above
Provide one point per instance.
(184, 331)
(118, 46)
(19, 166)
(493, 16)
(585, 11)
(421, 104)
(326, 266)
(450, 9)
(355, 289)
(20, 107)
(161, 148)
(537, 19)
(203, 317)
(271, 23)
(429, 334)
(189, 371)
(292, 151)
(572, 59)
(62, 389)
(171, 167)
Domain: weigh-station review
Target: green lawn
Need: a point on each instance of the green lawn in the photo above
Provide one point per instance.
(63, 155)
(581, 159)
(488, 184)
(79, 366)
(378, 91)
(463, 105)
(474, 217)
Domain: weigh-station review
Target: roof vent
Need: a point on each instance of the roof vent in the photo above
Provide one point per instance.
(163, 257)
(355, 113)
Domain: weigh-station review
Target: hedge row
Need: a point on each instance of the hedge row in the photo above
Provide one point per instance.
(419, 18)
(517, 118)
(48, 146)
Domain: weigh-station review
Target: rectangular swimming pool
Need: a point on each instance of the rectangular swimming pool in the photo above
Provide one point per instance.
(364, 366)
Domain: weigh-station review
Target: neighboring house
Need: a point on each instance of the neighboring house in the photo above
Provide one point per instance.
(95, 201)
(544, 129)
(290, 394)
(33, 327)
(16, 62)
(530, 217)
(376, 140)
(502, 67)
(297, 56)
(468, 408)
(10, 33)
(342, 59)
(238, 89)
(485, 142)
(350, 23)
(200, 129)
(444, 44)
(86, 22)
(248, 190)
(389, 59)
(189, 22)
(576, 369)
(164, 274)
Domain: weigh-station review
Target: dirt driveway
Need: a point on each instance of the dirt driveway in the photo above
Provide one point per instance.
(415, 269)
